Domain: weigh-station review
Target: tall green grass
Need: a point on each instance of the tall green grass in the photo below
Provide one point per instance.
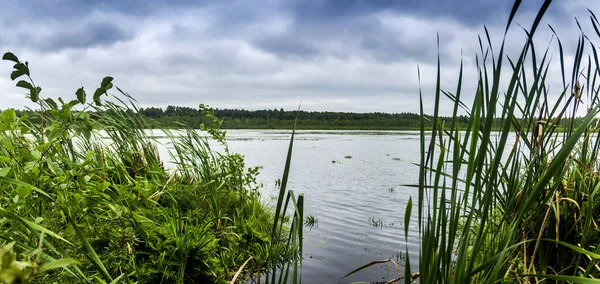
(86, 198)
(518, 205)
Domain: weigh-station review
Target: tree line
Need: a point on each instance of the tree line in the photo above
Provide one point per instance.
(175, 116)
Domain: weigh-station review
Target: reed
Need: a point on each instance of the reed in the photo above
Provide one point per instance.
(519, 204)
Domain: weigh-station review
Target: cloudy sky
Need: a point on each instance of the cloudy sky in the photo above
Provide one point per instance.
(336, 55)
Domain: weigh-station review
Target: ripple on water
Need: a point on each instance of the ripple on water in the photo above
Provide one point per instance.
(343, 196)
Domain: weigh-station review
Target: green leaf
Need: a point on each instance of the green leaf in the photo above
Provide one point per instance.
(10, 56)
(4, 171)
(80, 95)
(568, 279)
(34, 97)
(16, 74)
(23, 191)
(59, 263)
(117, 279)
(36, 154)
(55, 168)
(407, 217)
(22, 67)
(106, 83)
(72, 103)
(576, 248)
(35, 94)
(33, 225)
(97, 95)
(5, 180)
(24, 84)
(52, 103)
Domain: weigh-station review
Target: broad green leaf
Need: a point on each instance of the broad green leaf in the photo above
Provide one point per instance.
(24, 84)
(4, 171)
(10, 56)
(36, 154)
(55, 168)
(80, 95)
(106, 83)
(16, 74)
(23, 191)
(22, 67)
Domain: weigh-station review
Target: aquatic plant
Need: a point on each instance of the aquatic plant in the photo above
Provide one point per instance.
(517, 204)
(512, 197)
(311, 221)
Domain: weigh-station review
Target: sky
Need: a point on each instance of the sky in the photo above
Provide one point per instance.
(336, 55)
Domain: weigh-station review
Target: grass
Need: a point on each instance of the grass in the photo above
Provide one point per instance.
(513, 196)
(518, 204)
(78, 208)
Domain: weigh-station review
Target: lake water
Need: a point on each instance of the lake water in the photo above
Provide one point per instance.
(353, 182)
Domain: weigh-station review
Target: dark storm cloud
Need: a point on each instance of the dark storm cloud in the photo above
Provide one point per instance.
(90, 35)
(332, 54)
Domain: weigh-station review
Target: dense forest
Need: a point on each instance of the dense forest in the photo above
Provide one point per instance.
(172, 116)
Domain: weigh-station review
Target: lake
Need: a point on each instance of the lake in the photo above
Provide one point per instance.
(354, 183)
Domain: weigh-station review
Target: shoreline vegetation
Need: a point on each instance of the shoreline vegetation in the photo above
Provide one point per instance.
(76, 208)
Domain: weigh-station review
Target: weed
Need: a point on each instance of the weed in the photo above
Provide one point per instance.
(311, 221)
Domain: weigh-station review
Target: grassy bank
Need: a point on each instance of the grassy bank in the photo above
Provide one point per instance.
(81, 209)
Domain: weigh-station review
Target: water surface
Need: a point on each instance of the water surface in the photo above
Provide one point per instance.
(354, 183)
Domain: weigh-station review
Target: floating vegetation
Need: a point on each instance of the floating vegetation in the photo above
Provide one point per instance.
(376, 223)
(311, 220)
(391, 188)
